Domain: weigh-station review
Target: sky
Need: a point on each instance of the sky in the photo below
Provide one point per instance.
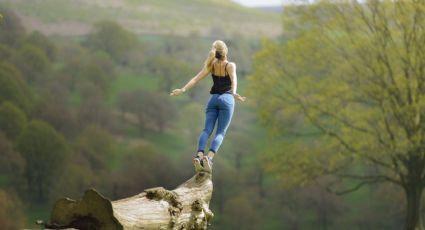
(254, 3)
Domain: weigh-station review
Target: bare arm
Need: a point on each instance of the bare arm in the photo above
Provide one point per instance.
(204, 72)
(234, 79)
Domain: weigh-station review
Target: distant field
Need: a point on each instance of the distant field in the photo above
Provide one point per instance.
(180, 17)
(128, 81)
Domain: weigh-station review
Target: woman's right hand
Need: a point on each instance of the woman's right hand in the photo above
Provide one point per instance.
(239, 97)
(177, 92)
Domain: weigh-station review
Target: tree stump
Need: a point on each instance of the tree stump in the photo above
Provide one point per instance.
(186, 207)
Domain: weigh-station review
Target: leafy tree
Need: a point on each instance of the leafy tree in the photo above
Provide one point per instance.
(6, 53)
(13, 88)
(240, 212)
(11, 211)
(346, 93)
(96, 145)
(94, 69)
(192, 123)
(150, 167)
(171, 71)
(113, 39)
(42, 42)
(12, 166)
(12, 120)
(45, 151)
(99, 70)
(53, 106)
(93, 109)
(153, 111)
(11, 28)
(32, 62)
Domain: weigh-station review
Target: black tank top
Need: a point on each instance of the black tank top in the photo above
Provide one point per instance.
(222, 84)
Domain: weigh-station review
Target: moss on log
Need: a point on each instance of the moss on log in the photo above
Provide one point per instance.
(186, 207)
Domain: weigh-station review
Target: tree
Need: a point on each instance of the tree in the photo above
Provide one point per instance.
(152, 110)
(82, 68)
(13, 88)
(113, 39)
(11, 28)
(12, 120)
(6, 53)
(45, 151)
(41, 41)
(151, 167)
(99, 70)
(93, 109)
(98, 146)
(11, 211)
(345, 96)
(12, 167)
(53, 106)
(240, 212)
(32, 62)
(171, 71)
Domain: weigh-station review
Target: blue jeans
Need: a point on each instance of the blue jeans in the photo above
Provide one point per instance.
(220, 108)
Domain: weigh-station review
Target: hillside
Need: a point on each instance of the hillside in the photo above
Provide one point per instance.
(179, 17)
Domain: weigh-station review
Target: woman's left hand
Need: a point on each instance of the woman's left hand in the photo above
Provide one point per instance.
(239, 97)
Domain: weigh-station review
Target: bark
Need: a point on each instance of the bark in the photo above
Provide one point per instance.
(186, 207)
(414, 197)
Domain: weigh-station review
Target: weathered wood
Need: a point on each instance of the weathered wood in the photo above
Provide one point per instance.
(186, 207)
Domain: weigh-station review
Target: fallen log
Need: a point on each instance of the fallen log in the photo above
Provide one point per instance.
(186, 207)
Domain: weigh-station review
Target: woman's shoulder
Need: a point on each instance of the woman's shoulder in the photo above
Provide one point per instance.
(231, 65)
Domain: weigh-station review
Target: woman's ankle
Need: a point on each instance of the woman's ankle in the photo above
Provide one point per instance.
(200, 154)
(211, 154)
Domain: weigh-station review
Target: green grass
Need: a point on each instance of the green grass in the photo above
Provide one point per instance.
(154, 16)
(36, 212)
(129, 81)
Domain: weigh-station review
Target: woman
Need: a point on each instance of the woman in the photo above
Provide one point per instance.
(221, 104)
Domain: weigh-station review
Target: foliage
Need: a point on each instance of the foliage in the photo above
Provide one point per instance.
(114, 153)
(172, 72)
(12, 167)
(350, 80)
(6, 53)
(81, 70)
(45, 151)
(13, 88)
(41, 41)
(11, 211)
(32, 62)
(52, 106)
(153, 111)
(97, 146)
(12, 120)
(113, 39)
(150, 168)
(11, 28)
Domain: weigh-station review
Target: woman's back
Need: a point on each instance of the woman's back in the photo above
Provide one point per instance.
(219, 68)
(222, 82)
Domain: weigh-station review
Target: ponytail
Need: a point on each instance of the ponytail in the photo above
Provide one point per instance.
(210, 59)
(218, 50)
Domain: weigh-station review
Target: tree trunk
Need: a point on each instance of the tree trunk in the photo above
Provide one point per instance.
(186, 207)
(413, 197)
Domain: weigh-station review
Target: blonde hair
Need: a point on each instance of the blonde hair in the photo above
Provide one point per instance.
(219, 49)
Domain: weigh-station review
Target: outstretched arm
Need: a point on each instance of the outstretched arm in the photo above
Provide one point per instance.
(234, 79)
(204, 72)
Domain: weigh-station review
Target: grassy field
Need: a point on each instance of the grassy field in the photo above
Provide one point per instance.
(183, 17)
(128, 81)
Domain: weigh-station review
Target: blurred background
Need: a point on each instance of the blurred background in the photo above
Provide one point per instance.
(84, 102)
